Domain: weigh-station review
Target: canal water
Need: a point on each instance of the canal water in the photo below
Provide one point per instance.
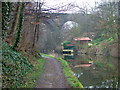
(95, 71)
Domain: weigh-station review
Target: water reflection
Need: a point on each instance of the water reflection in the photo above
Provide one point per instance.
(95, 71)
(68, 57)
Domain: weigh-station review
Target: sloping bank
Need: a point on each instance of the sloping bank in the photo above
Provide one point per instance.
(18, 71)
(71, 79)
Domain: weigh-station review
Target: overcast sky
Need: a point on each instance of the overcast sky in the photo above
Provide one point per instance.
(80, 3)
(58, 3)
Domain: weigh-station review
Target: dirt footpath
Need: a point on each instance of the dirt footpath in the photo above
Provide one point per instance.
(53, 76)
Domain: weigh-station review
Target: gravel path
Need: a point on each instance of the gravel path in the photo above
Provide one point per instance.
(53, 76)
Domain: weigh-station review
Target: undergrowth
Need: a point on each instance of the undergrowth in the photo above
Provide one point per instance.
(18, 72)
(15, 66)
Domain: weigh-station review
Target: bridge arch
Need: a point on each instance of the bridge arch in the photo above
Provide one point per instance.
(55, 25)
(69, 24)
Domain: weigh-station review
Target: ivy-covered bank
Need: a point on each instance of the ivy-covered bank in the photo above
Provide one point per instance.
(71, 79)
(18, 71)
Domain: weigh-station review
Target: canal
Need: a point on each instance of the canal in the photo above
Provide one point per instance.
(95, 71)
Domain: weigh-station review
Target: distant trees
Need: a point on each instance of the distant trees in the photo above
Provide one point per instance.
(22, 24)
(53, 37)
(102, 21)
(108, 12)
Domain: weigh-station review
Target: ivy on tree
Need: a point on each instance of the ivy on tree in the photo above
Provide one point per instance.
(6, 10)
(20, 25)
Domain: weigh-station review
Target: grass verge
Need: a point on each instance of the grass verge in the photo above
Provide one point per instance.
(72, 80)
(35, 74)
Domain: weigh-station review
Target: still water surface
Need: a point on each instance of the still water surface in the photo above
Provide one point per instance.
(95, 71)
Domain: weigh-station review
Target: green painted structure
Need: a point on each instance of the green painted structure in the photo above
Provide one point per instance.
(68, 48)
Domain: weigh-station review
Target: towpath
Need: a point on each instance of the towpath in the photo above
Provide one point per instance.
(52, 76)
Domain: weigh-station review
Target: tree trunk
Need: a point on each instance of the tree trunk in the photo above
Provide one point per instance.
(35, 31)
(16, 19)
(20, 24)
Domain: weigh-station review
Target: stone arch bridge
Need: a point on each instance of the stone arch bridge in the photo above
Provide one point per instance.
(55, 21)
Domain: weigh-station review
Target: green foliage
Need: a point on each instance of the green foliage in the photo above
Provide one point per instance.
(102, 40)
(35, 74)
(15, 67)
(108, 18)
(72, 80)
(66, 42)
(45, 55)
(102, 22)
(97, 41)
(111, 66)
(5, 15)
(6, 10)
(20, 24)
(99, 64)
(65, 45)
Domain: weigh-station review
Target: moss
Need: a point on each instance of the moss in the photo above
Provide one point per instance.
(72, 80)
